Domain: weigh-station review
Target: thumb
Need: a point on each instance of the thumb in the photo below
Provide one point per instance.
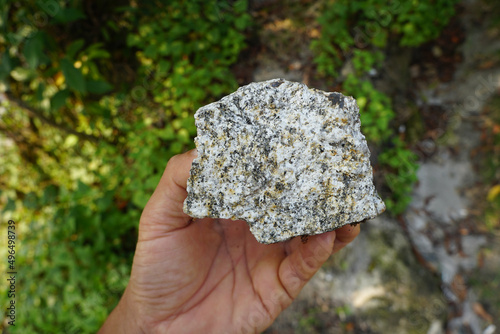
(163, 212)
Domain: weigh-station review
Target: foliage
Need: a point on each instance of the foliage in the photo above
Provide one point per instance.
(400, 174)
(348, 26)
(98, 96)
(490, 163)
(357, 33)
(309, 321)
(376, 108)
(188, 51)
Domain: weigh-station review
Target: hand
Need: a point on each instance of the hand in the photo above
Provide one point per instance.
(211, 275)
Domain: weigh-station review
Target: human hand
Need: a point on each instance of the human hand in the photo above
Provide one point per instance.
(211, 275)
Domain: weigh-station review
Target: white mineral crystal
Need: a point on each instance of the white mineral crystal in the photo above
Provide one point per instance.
(287, 159)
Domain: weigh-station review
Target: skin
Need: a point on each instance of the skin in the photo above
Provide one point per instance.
(211, 275)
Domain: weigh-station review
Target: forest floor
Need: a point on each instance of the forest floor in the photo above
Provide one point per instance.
(435, 268)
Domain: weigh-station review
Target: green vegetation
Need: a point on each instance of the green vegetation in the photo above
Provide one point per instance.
(362, 29)
(358, 32)
(309, 321)
(490, 164)
(99, 97)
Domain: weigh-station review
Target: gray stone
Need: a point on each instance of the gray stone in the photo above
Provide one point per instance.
(287, 159)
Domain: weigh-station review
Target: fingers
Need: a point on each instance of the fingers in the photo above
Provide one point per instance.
(304, 260)
(163, 212)
(345, 235)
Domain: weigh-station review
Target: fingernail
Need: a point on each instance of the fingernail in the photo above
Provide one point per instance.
(194, 152)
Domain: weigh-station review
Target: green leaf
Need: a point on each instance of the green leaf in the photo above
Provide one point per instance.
(5, 65)
(151, 51)
(98, 87)
(105, 201)
(39, 92)
(59, 99)
(74, 78)
(66, 15)
(82, 189)
(94, 51)
(30, 201)
(140, 198)
(73, 48)
(49, 195)
(10, 206)
(70, 141)
(21, 74)
(240, 6)
(167, 133)
(133, 40)
(33, 50)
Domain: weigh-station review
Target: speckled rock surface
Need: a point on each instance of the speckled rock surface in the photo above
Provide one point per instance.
(287, 159)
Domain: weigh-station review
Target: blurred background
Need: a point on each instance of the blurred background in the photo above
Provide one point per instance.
(96, 96)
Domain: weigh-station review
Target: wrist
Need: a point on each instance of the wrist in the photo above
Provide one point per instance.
(122, 319)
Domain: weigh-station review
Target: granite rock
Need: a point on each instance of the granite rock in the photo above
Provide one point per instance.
(287, 159)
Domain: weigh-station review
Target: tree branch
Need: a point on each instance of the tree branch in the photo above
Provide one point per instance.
(38, 114)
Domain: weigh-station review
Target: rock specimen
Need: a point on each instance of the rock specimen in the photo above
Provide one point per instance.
(287, 159)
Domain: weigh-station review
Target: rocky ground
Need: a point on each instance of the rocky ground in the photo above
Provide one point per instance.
(434, 269)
